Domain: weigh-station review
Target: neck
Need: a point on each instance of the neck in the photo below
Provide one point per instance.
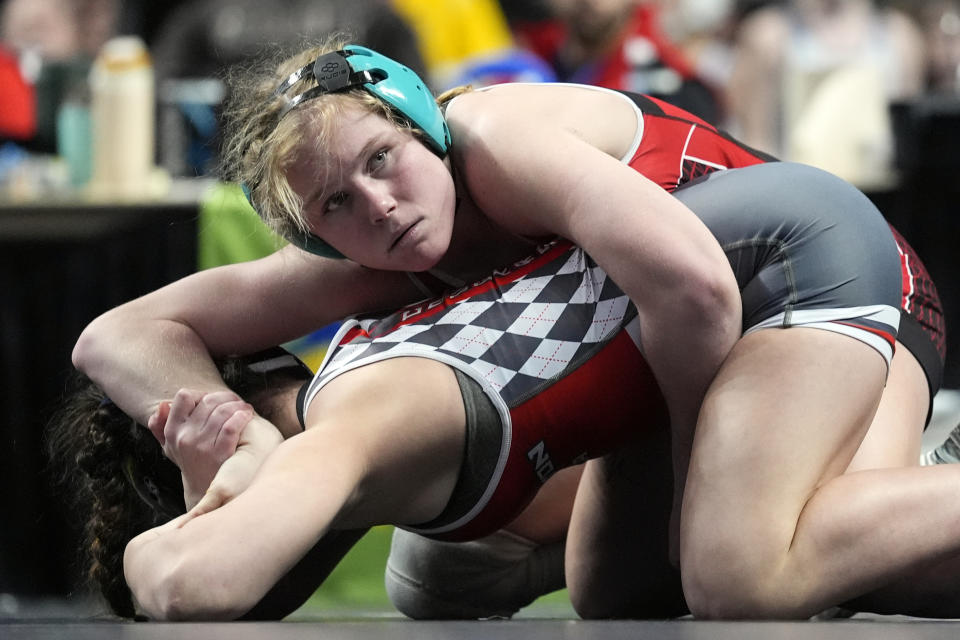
(478, 245)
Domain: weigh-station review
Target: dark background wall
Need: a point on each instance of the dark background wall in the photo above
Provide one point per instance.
(59, 269)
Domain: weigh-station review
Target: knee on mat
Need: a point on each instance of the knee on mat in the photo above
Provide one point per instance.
(714, 593)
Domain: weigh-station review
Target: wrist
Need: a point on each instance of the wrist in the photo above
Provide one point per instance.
(191, 493)
(260, 436)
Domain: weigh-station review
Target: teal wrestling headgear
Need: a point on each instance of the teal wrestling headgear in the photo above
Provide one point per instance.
(385, 79)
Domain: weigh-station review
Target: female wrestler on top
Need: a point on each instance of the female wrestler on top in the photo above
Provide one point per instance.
(379, 196)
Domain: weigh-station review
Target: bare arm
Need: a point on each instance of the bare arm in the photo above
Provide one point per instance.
(358, 464)
(142, 352)
(538, 178)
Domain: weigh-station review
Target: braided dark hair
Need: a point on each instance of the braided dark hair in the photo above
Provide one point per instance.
(113, 474)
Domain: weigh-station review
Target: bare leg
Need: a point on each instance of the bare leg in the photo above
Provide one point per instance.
(770, 528)
(894, 441)
(895, 434)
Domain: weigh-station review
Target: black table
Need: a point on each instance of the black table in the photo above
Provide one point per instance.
(61, 265)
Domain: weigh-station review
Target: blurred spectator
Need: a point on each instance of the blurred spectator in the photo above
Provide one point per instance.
(53, 43)
(703, 30)
(199, 40)
(46, 28)
(618, 44)
(813, 80)
(940, 22)
(18, 118)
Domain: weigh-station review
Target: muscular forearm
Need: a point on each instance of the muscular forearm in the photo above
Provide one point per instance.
(142, 352)
(193, 572)
(218, 565)
(685, 343)
(685, 347)
(141, 362)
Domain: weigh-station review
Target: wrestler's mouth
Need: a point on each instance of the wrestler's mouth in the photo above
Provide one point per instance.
(403, 235)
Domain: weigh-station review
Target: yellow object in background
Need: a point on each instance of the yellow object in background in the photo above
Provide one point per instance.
(122, 114)
(451, 32)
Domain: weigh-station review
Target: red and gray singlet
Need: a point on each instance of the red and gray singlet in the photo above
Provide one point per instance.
(673, 147)
(552, 341)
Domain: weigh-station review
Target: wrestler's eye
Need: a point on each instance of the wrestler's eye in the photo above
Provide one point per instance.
(378, 159)
(334, 202)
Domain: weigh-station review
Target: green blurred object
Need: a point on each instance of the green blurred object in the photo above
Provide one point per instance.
(230, 230)
(357, 582)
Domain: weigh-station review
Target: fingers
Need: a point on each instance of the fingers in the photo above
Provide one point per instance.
(196, 406)
(158, 421)
(228, 435)
(198, 423)
(181, 409)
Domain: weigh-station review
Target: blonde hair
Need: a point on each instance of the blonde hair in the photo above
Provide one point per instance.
(261, 139)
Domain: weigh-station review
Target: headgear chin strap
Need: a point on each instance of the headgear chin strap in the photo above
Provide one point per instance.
(383, 78)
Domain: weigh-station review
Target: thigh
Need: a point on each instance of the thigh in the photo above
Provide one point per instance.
(617, 562)
(893, 439)
(786, 413)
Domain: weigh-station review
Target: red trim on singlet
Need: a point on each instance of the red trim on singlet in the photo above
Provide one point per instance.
(920, 298)
(909, 286)
(677, 147)
(886, 335)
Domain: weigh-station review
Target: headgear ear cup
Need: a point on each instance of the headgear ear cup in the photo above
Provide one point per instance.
(385, 79)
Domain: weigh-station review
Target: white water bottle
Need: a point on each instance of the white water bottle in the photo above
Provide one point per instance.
(123, 115)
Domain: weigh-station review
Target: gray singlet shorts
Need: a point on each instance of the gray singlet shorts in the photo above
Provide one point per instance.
(807, 248)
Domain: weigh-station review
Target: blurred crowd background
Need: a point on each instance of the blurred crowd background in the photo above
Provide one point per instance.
(867, 89)
(807, 80)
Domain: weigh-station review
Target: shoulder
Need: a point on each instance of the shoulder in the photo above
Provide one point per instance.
(603, 118)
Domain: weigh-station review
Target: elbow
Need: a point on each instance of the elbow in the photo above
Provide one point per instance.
(169, 599)
(88, 345)
(177, 591)
(98, 339)
(184, 598)
(180, 595)
(711, 299)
